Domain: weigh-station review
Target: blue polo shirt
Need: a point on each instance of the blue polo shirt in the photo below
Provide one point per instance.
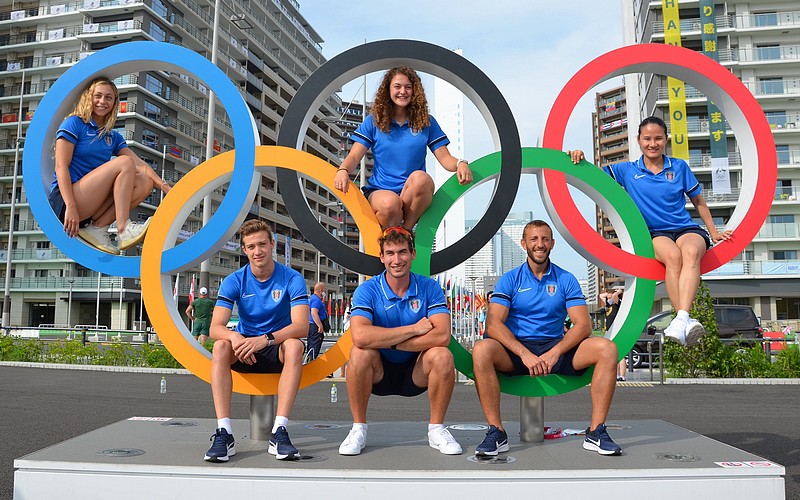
(263, 306)
(316, 303)
(537, 308)
(376, 301)
(92, 147)
(399, 152)
(659, 197)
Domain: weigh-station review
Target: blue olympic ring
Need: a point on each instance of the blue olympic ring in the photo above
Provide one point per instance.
(38, 163)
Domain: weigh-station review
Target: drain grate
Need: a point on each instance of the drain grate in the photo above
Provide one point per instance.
(121, 452)
(468, 427)
(323, 427)
(179, 423)
(492, 460)
(676, 457)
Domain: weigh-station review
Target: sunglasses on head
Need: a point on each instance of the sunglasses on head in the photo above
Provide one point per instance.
(397, 230)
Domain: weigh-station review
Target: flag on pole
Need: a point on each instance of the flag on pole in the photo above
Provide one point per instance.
(191, 292)
(175, 290)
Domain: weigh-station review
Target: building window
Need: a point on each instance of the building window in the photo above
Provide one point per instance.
(159, 8)
(152, 111)
(776, 118)
(150, 138)
(781, 219)
(153, 84)
(784, 255)
(157, 32)
(768, 52)
(783, 154)
(771, 86)
(783, 189)
(766, 19)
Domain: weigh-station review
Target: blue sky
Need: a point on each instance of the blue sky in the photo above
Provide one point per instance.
(528, 49)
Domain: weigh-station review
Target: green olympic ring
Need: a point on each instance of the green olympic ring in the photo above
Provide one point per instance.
(586, 177)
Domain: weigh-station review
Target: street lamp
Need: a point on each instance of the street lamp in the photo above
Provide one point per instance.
(6, 319)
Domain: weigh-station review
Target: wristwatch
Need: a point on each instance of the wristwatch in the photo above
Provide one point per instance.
(271, 338)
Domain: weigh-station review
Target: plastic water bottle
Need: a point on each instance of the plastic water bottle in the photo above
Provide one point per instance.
(163, 388)
(334, 394)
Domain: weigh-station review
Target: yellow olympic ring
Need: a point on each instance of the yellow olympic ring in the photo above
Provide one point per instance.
(156, 286)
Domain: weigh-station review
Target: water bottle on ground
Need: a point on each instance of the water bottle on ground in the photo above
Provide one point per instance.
(163, 388)
(334, 394)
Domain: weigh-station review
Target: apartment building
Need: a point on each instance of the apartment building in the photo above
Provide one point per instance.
(267, 49)
(759, 42)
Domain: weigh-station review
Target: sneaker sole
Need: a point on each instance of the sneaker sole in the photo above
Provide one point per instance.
(231, 453)
(351, 453)
(445, 452)
(694, 335)
(593, 447)
(92, 242)
(500, 449)
(673, 339)
(274, 451)
(124, 245)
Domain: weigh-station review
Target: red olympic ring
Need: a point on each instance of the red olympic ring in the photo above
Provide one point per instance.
(735, 101)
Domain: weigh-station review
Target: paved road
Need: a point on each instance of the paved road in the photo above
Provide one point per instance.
(46, 406)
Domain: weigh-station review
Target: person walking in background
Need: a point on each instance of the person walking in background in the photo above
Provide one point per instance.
(611, 300)
(90, 189)
(199, 311)
(659, 185)
(399, 131)
(273, 316)
(318, 323)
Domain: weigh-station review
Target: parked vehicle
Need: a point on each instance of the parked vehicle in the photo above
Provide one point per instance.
(733, 322)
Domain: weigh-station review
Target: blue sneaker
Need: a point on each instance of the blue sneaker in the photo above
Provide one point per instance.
(598, 440)
(222, 447)
(496, 441)
(281, 446)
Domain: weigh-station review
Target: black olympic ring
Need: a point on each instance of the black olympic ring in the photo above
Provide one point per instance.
(431, 59)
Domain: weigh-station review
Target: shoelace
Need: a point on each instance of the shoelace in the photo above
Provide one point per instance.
(446, 435)
(352, 437)
(282, 437)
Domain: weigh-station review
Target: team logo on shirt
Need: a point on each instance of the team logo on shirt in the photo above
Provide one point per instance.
(276, 295)
(414, 304)
(670, 176)
(551, 289)
(108, 140)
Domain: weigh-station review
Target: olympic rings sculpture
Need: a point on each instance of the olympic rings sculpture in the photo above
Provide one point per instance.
(241, 169)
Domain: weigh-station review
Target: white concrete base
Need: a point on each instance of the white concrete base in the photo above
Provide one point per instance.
(660, 461)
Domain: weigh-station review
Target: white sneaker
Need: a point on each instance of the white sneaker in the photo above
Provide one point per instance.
(98, 237)
(355, 441)
(441, 439)
(132, 234)
(676, 331)
(694, 331)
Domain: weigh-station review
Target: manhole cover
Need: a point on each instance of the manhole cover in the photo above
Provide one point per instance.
(492, 460)
(179, 423)
(309, 458)
(468, 427)
(323, 427)
(121, 452)
(676, 457)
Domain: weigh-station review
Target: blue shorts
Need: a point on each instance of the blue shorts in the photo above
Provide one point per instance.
(267, 361)
(398, 379)
(59, 207)
(562, 367)
(368, 190)
(677, 233)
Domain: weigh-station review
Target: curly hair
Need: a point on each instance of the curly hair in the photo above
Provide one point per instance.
(83, 109)
(383, 107)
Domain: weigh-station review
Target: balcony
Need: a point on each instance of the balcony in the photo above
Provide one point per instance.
(758, 268)
(62, 283)
(788, 230)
